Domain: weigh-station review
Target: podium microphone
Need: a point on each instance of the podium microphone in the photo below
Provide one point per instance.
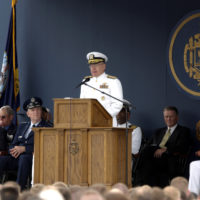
(86, 80)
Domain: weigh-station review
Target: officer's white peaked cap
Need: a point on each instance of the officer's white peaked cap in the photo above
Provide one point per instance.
(96, 57)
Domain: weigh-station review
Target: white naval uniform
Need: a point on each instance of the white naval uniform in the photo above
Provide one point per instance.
(136, 137)
(194, 179)
(110, 85)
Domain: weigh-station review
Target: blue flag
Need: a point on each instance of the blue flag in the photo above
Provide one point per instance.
(9, 77)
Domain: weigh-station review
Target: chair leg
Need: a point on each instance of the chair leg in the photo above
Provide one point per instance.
(3, 178)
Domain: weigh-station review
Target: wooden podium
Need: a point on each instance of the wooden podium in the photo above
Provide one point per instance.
(82, 148)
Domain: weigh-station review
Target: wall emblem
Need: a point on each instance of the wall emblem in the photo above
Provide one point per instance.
(184, 54)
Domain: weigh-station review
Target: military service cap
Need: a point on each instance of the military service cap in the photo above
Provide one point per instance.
(96, 57)
(32, 103)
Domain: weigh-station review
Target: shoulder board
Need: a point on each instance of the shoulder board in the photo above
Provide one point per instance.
(133, 127)
(112, 77)
(87, 77)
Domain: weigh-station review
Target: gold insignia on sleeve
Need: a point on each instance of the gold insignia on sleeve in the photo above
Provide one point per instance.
(112, 77)
(102, 98)
(104, 86)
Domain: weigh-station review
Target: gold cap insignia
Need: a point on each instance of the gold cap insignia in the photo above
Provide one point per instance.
(32, 99)
(91, 56)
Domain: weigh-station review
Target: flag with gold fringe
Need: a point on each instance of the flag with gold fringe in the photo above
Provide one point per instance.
(9, 77)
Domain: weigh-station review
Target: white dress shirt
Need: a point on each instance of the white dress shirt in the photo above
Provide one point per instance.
(172, 128)
(194, 179)
(136, 137)
(30, 129)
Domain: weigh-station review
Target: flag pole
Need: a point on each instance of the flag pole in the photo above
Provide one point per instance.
(15, 74)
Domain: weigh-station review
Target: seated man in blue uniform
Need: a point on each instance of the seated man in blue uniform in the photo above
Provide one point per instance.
(159, 160)
(21, 149)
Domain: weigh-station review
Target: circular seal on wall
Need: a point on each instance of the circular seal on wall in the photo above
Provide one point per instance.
(184, 54)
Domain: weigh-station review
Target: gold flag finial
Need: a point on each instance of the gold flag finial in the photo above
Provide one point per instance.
(14, 2)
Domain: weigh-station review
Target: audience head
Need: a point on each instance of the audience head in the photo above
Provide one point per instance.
(115, 196)
(12, 184)
(120, 187)
(50, 193)
(28, 195)
(36, 188)
(63, 189)
(10, 191)
(91, 194)
(33, 108)
(6, 116)
(172, 193)
(76, 191)
(99, 187)
(141, 193)
(181, 184)
(170, 116)
(158, 194)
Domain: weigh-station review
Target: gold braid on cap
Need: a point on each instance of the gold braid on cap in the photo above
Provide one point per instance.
(95, 60)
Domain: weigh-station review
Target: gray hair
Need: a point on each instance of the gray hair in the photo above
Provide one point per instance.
(8, 110)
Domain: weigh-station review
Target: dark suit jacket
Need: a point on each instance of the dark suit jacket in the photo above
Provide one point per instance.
(6, 136)
(178, 142)
(20, 140)
(11, 131)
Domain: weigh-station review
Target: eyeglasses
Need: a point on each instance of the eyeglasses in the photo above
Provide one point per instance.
(2, 117)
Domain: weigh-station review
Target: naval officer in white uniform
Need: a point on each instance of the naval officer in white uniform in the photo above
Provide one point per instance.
(194, 179)
(104, 82)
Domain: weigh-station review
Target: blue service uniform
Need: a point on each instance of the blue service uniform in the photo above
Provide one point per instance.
(23, 164)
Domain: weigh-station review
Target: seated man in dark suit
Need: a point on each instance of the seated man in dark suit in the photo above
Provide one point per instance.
(159, 159)
(21, 149)
(7, 128)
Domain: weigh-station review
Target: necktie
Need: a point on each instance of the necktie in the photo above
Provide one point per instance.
(165, 138)
(29, 130)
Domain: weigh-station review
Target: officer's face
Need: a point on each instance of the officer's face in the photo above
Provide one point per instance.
(170, 117)
(5, 119)
(97, 69)
(35, 114)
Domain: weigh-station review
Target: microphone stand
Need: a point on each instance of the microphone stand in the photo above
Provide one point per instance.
(126, 105)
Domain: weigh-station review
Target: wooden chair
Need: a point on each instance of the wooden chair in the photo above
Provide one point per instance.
(11, 175)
